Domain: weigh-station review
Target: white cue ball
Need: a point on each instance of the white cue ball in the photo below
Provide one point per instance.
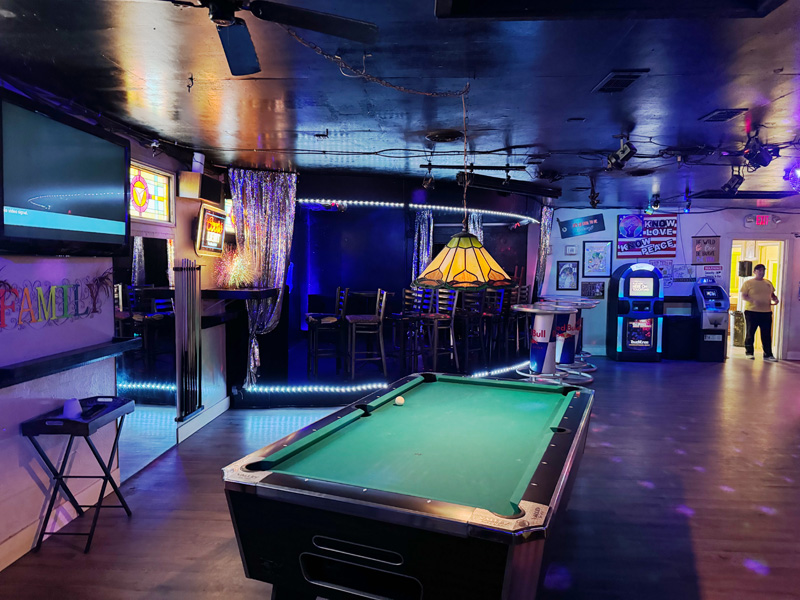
(399, 401)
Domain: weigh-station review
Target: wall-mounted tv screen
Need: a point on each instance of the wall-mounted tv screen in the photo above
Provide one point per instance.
(64, 183)
(210, 239)
(641, 287)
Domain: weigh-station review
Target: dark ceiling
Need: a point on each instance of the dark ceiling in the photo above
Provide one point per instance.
(531, 96)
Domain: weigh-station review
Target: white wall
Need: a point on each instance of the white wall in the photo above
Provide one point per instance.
(26, 482)
(728, 224)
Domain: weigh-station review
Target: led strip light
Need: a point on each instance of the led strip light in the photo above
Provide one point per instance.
(434, 207)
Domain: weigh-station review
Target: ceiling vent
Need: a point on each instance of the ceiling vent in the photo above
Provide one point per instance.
(443, 136)
(723, 114)
(619, 80)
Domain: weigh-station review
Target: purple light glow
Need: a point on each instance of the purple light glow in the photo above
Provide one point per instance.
(737, 450)
(756, 566)
(727, 489)
(558, 578)
(699, 469)
(679, 451)
(788, 480)
(616, 459)
(606, 445)
(768, 510)
(684, 510)
(647, 484)
(758, 463)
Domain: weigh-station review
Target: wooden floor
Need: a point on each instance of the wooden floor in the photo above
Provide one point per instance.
(689, 489)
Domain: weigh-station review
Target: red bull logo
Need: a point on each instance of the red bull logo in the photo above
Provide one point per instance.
(539, 336)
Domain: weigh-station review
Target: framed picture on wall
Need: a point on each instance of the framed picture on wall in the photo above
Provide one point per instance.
(597, 259)
(571, 250)
(593, 289)
(567, 275)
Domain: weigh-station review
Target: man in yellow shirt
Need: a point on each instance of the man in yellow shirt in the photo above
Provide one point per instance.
(759, 296)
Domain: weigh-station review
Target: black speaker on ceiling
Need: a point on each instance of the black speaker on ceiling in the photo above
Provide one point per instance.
(745, 268)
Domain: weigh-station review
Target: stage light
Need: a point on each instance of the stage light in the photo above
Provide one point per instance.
(656, 202)
(618, 159)
(733, 184)
(756, 154)
(688, 207)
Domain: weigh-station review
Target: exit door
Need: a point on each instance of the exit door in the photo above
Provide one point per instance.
(769, 253)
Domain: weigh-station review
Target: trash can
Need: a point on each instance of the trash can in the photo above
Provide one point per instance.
(738, 328)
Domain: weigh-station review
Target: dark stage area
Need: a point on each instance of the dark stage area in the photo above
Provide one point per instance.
(688, 489)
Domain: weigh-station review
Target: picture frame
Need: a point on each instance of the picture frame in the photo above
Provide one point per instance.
(593, 289)
(597, 258)
(571, 250)
(567, 275)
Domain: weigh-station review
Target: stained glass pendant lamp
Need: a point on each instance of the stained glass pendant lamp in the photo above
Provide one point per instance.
(463, 264)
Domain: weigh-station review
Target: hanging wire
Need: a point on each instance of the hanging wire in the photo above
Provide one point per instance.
(344, 66)
(466, 179)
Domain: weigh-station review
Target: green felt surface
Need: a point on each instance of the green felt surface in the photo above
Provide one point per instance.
(466, 441)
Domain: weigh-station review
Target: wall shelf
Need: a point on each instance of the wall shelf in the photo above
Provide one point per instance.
(63, 361)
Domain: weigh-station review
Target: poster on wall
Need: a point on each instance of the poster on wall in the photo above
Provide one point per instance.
(52, 305)
(705, 250)
(647, 236)
(593, 289)
(667, 268)
(581, 226)
(597, 259)
(567, 275)
(683, 273)
(714, 271)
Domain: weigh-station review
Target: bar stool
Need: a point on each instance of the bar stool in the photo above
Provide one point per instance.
(441, 319)
(326, 323)
(492, 319)
(406, 323)
(470, 315)
(367, 325)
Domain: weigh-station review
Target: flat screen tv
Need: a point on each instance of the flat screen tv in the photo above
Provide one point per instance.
(63, 183)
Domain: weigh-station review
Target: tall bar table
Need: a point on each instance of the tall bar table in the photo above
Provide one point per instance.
(548, 319)
(566, 357)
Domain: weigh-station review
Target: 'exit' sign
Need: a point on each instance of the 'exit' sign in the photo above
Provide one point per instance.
(765, 221)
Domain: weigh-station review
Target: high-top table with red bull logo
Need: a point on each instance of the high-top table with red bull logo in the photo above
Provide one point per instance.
(571, 356)
(550, 322)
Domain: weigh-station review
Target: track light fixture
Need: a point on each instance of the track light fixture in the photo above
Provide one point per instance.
(688, 208)
(734, 183)
(618, 159)
(428, 181)
(656, 202)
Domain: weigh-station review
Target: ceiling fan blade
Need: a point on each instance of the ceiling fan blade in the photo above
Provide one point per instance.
(239, 49)
(351, 29)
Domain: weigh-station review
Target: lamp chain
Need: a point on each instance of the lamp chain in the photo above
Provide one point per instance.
(466, 179)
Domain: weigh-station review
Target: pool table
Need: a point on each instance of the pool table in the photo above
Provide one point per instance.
(449, 495)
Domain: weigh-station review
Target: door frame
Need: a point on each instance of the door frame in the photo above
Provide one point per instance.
(784, 293)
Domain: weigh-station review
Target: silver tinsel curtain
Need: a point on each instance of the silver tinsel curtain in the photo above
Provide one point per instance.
(263, 205)
(423, 242)
(137, 277)
(475, 225)
(546, 227)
